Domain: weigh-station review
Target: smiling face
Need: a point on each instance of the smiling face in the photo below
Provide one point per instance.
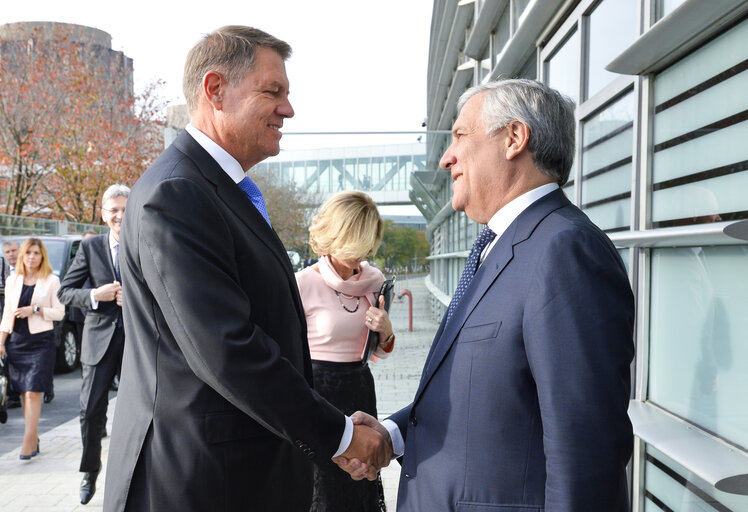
(252, 111)
(112, 212)
(477, 164)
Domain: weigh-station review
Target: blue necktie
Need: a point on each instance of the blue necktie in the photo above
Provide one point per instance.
(253, 193)
(471, 266)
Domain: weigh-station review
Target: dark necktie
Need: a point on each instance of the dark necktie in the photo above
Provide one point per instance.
(471, 266)
(116, 263)
(119, 279)
(253, 193)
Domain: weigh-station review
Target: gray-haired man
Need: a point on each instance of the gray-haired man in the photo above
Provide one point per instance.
(93, 282)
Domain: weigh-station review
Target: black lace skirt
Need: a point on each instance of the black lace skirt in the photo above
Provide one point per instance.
(350, 388)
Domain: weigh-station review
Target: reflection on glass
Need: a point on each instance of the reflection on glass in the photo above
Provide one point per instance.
(664, 481)
(698, 358)
(612, 28)
(563, 68)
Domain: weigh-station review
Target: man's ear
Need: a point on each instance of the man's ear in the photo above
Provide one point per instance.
(517, 138)
(213, 87)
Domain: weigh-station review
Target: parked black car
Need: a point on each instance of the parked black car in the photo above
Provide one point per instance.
(68, 331)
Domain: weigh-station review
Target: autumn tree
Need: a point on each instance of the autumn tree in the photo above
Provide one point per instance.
(70, 125)
(290, 209)
(402, 246)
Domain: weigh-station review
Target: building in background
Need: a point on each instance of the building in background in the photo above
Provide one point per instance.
(661, 166)
(17, 37)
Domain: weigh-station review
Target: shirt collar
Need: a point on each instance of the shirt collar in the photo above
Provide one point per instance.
(506, 215)
(227, 162)
(112, 242)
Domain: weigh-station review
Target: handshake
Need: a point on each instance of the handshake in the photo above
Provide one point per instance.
(370, 449)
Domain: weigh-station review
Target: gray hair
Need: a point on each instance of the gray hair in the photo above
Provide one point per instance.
(8, 243)
(229, 50)
(547, 113)
(115, 190)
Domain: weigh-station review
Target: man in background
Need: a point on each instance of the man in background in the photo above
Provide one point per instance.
(92, 283)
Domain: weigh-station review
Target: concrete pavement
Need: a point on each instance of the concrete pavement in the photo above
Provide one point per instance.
(49, 482)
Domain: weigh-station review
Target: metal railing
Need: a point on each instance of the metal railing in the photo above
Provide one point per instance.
(22, 225)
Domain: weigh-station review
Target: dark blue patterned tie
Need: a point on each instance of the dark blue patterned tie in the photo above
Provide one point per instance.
(253, 193)
(471, 266)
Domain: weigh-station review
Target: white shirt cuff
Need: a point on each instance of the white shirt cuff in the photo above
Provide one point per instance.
(398, 443)
(345, 441)
(94, 302)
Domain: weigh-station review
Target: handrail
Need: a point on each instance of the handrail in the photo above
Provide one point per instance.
(716, 233)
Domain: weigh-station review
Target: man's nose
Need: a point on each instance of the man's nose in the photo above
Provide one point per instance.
(447, 161)
(285, 109)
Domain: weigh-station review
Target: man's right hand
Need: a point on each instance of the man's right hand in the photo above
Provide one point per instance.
(359, 467)
(368, 452)
(107, 292)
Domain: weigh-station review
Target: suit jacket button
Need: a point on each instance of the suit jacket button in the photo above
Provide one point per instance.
(407, 475)
(413, 421)
(310, 454)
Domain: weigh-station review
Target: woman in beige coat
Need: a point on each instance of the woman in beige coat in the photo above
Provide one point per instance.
(27, 335)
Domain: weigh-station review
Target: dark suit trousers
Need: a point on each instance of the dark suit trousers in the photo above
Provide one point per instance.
(95, 399)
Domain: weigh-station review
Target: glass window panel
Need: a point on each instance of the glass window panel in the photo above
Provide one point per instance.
(703, 201)
(697, 495)
(563, 68)
(711, 105)
(609, 120)
(612, 28)
(717, 149)
(615, 149)
(665, 7)
(625, 255)
(611, 183)
(710, 60)
(615, 214)
(698, 358)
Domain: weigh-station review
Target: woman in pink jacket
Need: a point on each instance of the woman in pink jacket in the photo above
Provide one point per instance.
(27, 335)
(339, 295)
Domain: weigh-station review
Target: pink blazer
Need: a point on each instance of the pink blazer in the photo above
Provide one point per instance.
(45, 296)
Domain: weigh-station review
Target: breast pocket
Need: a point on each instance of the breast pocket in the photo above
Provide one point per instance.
(473, 333)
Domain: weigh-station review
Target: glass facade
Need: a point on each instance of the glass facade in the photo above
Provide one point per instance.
(661, 161)
(612, 27)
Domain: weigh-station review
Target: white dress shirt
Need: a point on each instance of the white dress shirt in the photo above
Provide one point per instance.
(499, 223)
(231, 167)
(113, 249)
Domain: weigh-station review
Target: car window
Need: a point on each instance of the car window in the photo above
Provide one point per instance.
(56, 251)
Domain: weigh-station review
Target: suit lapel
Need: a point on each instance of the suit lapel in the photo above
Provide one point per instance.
(230, 193)
(496, 261)
(104, 252)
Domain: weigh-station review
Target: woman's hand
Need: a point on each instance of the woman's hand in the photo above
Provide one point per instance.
(2, 351)
(378, 320)
(24, 312)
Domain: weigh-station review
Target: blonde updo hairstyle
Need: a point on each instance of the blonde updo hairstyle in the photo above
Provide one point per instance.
(347, 227)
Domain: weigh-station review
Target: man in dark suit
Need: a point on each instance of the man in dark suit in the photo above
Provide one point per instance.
(92, 283)
(215, 409)
(523, 399)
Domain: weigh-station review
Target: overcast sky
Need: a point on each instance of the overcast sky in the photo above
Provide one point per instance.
(357, 65)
